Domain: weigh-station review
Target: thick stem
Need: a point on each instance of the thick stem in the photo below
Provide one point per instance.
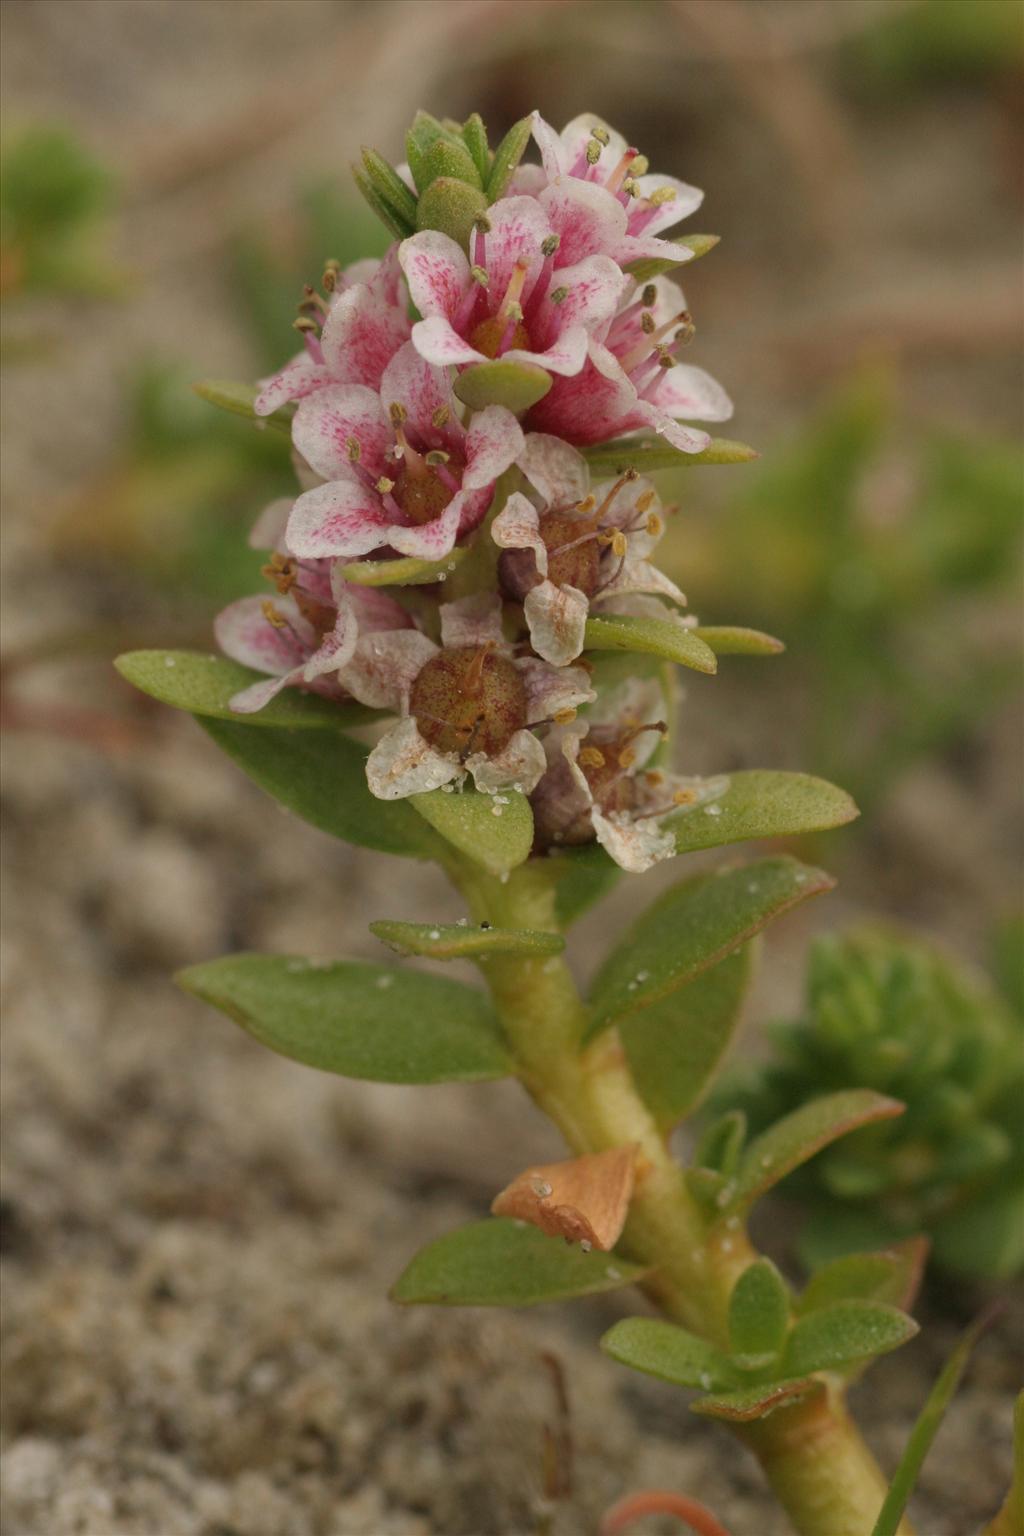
(814, 1457)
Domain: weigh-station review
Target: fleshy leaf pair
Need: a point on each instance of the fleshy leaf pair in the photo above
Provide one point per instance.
(772, 1356)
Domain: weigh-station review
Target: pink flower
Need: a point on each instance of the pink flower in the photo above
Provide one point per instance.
(402, 472)
(306, 635)
(350, 337)
(600, 784)
(632, 380)
(584, 548)
(467, 706)
(600, 196)
(521, 299)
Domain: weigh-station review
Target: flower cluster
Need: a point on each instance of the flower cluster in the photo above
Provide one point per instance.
(440, 412)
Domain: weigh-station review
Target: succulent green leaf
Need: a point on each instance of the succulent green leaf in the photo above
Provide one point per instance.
(892, 1275)
(365, 1021)
(763, 803)
(694, 926)
(390, 186)
(661, 1349)
(721, 1144)
(652, 637)
(924, 1432)
(240, 400)
(844, 1332)
(452, 206)
(495, 831)
(797, 1137)
(407, 571)
(516, 386)
(758, 1313)
(731, 640)
(474, 136)
(751, 1403)
(690, 248)
(205, 684)
(321, 776)
(499, 1263)
(675, 1047)
(580, 885)
(646, 454)
(454, 941)
(506, 157)
(389, 216)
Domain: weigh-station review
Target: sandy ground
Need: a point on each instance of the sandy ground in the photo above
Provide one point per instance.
(198, 1237)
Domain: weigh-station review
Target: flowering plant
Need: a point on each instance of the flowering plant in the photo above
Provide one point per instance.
(466, 573)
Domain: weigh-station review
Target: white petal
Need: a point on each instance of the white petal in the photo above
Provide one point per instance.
(385, 666)
(557, 618)
(550, 690)
(557, 471)
(634, 845)
(402, 763)
(411, 381)
(329, 423)
(258, 695)
(522, 763)
(433, 540)
(340, 518)
(493, 443)
(517, 526)
(641, 576)
(267, 531)
(472, 620)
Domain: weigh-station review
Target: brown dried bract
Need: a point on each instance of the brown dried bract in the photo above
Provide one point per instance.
(584, 1200)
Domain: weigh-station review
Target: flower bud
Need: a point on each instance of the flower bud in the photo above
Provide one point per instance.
(451, 206)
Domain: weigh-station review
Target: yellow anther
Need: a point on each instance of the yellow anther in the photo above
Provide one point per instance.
(627, 757)
(594, 149)
(353, 449)
(654, 777)
(272, 616)
(564, 716)
(662, 195)
(592, 757)
(441, 417)
(684, 797)
(643, 502)
(384, 485)
(601, 134)
(587, 504)
(619, 544)
(647, 324)
(397, 412)
(654, 525)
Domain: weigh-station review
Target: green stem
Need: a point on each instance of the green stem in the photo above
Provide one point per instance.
(814, 1457)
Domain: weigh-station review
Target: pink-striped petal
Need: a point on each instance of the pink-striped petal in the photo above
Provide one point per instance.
(595, 287)
(566, 355)
(361, 335)
(340, 518)
(429, 541)
(340, 421)
(437, 272)
(690, 393)
(494, 442)
(667, 212)
(410, 381)
(554, 152)
(518, 229)
(588, 220)
(590, 406)
(294, 381)
(576, 135)
(384, 667)
(245, 634)
(437, 340)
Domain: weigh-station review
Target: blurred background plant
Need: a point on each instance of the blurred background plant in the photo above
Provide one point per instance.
(895, 1014)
